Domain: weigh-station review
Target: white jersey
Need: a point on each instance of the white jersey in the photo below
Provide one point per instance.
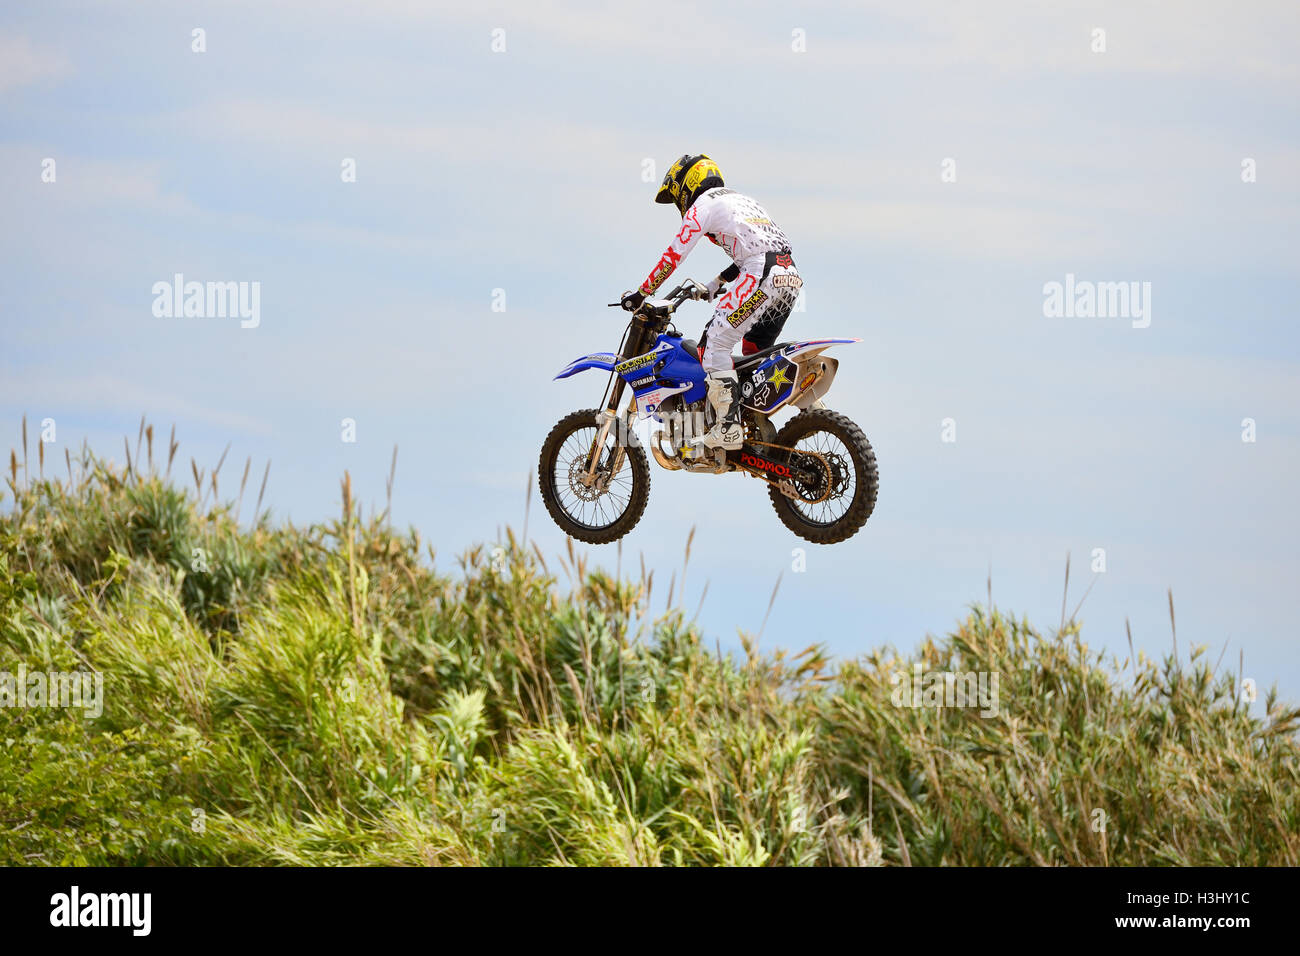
(734, 222)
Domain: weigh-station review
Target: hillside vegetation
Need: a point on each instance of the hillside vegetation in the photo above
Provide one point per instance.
(325, 695)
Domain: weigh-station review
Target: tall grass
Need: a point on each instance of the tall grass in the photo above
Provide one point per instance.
(324, 695)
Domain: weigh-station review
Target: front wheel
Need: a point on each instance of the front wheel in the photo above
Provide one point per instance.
(613, 504)
(845, 494)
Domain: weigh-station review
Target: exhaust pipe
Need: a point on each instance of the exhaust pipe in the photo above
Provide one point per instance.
(656, 449)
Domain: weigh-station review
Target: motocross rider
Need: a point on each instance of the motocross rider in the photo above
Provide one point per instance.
(764, 282)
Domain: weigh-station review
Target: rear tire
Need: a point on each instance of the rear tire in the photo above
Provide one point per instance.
(559, 494)
(806, 523)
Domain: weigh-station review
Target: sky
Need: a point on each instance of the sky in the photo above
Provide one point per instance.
(935, 165)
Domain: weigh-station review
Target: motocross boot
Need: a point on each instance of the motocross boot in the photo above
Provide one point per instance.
(724, 397)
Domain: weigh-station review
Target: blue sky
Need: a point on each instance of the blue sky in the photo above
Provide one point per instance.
(522, 171)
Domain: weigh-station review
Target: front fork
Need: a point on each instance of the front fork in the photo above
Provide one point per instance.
(608, 419)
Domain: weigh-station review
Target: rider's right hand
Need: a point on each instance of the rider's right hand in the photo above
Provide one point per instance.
(631, 301)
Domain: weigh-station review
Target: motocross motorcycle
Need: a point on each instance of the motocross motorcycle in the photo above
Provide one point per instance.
(819, 468)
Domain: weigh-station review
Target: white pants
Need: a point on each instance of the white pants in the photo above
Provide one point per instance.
(753, 305)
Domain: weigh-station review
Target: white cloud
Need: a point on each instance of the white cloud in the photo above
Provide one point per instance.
(50, 387)
(85, 181)
(1146, 36)
(23, 62)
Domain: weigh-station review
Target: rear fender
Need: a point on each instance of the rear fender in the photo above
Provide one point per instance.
(798, 351)
(816, 370)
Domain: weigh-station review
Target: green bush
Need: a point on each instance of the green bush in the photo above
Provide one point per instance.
(323, 695)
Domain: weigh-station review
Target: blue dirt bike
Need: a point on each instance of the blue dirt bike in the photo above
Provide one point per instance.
(819, 467)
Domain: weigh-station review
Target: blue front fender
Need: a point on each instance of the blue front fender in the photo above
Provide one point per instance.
(601, 360)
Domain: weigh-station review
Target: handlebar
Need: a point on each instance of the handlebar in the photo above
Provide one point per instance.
(690, 289)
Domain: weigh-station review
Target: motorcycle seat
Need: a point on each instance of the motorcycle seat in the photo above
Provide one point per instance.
(742, 362)
(749, 361)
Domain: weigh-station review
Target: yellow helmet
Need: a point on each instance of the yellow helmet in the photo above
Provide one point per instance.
(688, 177)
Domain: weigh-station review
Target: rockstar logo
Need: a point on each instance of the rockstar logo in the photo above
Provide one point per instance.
(778, 377)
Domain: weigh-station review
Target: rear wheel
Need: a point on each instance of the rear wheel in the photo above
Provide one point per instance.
(611, 507)
(845, 494)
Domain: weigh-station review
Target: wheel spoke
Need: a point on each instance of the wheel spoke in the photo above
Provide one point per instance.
(589, 507)
(842, 478)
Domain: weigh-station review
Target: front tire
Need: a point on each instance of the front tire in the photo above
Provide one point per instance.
(588, 514)
(854, 479)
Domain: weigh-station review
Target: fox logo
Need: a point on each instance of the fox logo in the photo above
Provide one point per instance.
(690, 227)
(738, 292)
(667, 263)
